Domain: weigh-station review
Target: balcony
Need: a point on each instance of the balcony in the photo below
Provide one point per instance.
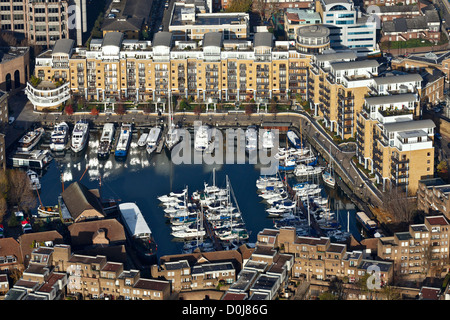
(47, 94)
(399, 161)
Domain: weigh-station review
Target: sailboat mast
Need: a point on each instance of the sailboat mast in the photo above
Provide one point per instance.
(348, 221)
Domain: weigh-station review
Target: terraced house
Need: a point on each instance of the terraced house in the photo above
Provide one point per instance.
(320, 259)
(218, 69)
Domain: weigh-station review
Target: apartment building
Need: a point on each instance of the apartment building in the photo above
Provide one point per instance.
(41, 22)
(387, 3)
(417, 62)
(187, 22)
(3, 109)
(201, 276)
(390, 13)
(320, 259)
(420, 27)
(93, 277)
(338, 84)
(349, 27)
(227, 70)
(394, 146)
(420, 251)
(296, 17)
(201, 270)
(312, 39)
(14, 68)
(127, 16)
(433, 196)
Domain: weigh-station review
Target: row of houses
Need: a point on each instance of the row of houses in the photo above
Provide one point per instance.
(51, 269)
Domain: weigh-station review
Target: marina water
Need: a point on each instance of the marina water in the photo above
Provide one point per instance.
(141, 178)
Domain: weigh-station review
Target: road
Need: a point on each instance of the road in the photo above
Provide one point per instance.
(444, 9)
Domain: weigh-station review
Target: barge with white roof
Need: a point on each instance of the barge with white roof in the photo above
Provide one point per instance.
(139, 232)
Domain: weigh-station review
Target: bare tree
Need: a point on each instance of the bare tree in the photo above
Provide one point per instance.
(20, 193)
(398, 205)
(260, 6)
(391, 293)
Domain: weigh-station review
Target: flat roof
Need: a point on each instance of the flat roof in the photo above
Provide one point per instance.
(412, 134)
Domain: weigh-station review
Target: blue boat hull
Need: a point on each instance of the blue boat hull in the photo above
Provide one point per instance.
(120, 153)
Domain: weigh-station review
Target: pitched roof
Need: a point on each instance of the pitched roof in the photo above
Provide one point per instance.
(437, 220)
(409, 125)
(10, 247)
(162, 38)
(348, 65)
(264, 39)
(429, 293)
(130, 24)
(63, 46)
(82, 233)
(112, 39)
(393, 98)
(212, 39)
(78, 198)
(398, 79)
(26, 240)
(405, 24)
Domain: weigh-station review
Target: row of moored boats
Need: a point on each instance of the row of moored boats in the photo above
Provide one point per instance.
(206, 218)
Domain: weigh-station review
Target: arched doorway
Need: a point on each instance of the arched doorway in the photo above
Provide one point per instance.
(8, 82)
(16, 79)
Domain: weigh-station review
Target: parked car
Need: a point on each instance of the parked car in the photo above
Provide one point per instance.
(11, 120)
(438, 135)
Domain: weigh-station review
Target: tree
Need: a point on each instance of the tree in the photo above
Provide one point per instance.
(184, 104)
(336, 287)
(249, 109)
(20, 194)
(327, 296)
(120, 110)
(397, 204)
(4, 188)
(391, 293)
(68, 109)
(260, 7)
(94, 111)
(240, 6)
(198, 109)
(273, 107)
